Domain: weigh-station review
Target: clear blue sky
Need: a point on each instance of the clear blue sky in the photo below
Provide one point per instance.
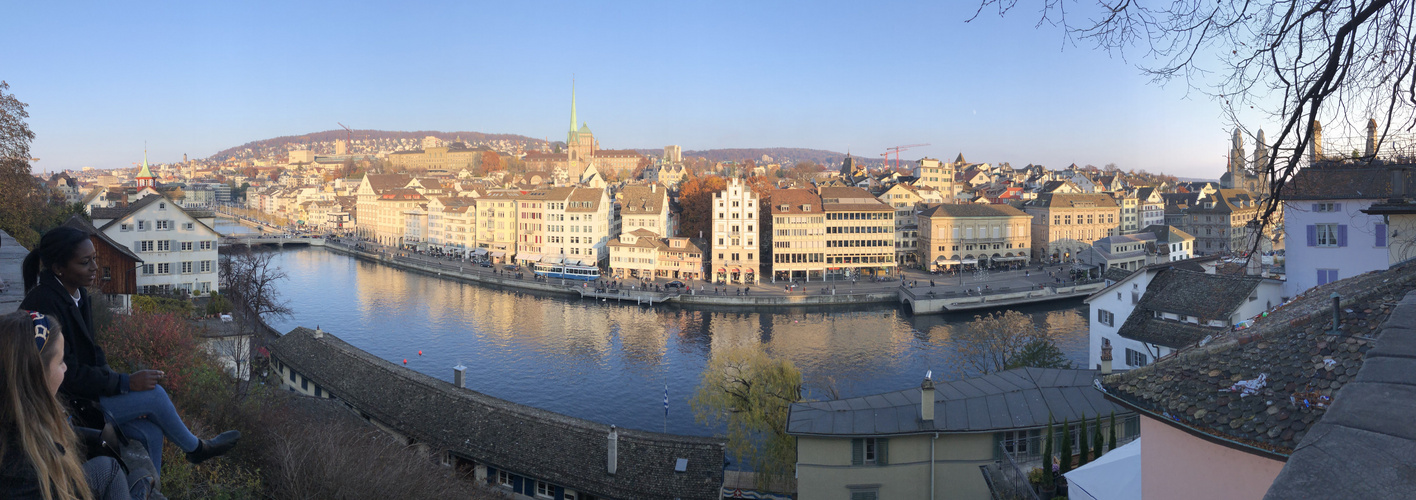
(102, 78)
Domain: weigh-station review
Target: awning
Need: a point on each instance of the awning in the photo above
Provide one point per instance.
(736, 270)
(945, 261)
(498, 254)
(1114, 475)
(529, 257)
(1008, 259)
(721, 270)
(969, 261)
(480, 251)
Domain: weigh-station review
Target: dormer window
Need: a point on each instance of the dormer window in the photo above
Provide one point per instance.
(162, 206)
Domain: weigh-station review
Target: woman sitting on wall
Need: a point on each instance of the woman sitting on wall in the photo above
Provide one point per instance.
(39, 455)
(56, 273)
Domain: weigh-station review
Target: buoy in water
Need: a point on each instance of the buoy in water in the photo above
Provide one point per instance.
(420, 353)
(405, 361)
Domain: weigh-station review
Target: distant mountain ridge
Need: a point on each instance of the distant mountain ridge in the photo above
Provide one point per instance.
(381, 137)
(778, 155)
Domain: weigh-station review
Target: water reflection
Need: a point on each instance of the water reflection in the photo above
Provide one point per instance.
(609, 362)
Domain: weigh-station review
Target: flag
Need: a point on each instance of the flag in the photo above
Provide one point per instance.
(666, 400)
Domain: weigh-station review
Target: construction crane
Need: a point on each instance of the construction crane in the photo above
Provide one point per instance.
(897, 150)
(348, 137)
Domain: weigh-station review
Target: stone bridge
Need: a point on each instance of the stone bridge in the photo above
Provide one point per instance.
(276, 241)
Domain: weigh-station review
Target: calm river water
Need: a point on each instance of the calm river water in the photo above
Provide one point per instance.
(609, 362)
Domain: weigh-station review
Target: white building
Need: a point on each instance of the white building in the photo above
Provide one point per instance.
(1152, 206)
(1329, 236)
(178, 250)
(735, 252)
(646, 207)
(577, 225)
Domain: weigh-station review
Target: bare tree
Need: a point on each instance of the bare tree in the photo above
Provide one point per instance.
(993, 341)
(248, 280)
(1298, 61)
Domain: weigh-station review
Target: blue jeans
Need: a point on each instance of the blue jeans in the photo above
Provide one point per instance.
(148, 416)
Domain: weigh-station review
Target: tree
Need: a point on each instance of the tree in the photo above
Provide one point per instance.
(1039, 353)
(491, 162)
(1111, 444)
(1048, 480)
(752, 392)
(19, 186)
(991, 341)
(696, 199)
(1296, 61)
(1066, 464)
(1083, 443)
(248, 280)
(1097, 439)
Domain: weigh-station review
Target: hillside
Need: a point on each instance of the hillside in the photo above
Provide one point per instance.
(784, 156)
(364, 141)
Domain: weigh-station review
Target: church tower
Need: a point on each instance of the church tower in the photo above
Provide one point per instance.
(1315, 148)
(579, 143)
(145, 177)
(1371, 138)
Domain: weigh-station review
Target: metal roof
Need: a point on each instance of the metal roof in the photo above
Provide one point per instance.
(1014, 399)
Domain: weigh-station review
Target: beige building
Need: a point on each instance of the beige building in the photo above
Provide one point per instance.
(905, 199)
(577, 229)
(937, 175)
(642, 254)
(798, 236)
(496, 225)
(646, 207)
(1064, 224)
(973, 235)
(891, 446)
(735, 250)
(860, 233)
(382, 200)
(449, 158)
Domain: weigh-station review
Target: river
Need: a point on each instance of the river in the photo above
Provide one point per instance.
(610, 362)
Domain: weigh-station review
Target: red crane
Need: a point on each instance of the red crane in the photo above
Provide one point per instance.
(897, 150)
(348, 136)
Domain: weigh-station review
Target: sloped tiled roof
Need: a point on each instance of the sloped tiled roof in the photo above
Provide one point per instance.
(1073, 200)
(1302, 365)
(549, 446)
(1332, 182)
(797, 201)
(643, 199)
(78, 222)
(1014, 399)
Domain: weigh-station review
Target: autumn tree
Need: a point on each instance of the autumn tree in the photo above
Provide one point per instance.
(751, 392)
(696, 200)
(992, 341)
(1296, 61)
(491, 162)
(19, 186)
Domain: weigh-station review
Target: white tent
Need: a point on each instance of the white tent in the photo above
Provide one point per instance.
(1114, 476)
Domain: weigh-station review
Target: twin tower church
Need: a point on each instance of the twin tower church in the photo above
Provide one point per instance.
(1252, 172)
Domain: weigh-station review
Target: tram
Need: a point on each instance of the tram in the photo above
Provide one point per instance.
(567, 271)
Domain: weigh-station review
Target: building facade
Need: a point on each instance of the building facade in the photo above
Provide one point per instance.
(798, 236)
(860, 234)
(178, 251)
(1064, 224)
(735, 236)
(972, 234)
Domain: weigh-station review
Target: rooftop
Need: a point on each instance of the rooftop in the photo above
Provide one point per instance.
(1186, 293)
(1289, 358)
(972, 210)
(553, 447)
(1014, 399)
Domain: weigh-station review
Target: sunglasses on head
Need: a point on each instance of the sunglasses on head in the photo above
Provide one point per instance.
(41, 329)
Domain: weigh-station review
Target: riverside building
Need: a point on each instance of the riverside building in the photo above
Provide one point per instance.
(798, 236)
(860, 233)
(735, 250)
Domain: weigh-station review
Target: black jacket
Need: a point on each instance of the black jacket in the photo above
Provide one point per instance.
(89, 376)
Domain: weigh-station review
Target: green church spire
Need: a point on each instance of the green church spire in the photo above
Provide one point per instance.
(573, 128)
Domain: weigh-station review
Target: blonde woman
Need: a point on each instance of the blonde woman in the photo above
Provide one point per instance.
(39, 456)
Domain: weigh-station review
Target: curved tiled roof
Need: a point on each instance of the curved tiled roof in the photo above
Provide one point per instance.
(548, 446)
(1302, 364)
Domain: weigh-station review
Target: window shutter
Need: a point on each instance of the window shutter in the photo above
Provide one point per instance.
(1337, 207)
(1315, 207)
(882, 452)
(1381, 235)
(1312, 235)
(1342, 235)
(858, 451)
(997, 446)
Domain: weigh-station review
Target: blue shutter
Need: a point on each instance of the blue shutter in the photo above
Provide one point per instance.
(1337, 207)
(1342, 235)
(1315, 207)
(1322, 277)
(1381, 235)
(1312, 235)
(857, 451)
(882, 451)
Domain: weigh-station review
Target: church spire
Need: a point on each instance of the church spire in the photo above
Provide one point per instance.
(573, 128)
(145, 177)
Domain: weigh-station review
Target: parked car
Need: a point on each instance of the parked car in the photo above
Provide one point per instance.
(674, 284)
(509, 267)
(484, 264)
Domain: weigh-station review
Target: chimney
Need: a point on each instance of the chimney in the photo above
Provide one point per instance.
(319, 334)
(653, 187)
(459, 376)
(614, 451)
(1105, 356)
(926, 400)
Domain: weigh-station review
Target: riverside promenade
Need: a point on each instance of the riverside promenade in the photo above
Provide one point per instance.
(915, 291)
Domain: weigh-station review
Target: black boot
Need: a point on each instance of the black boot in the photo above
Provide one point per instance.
(208, 448)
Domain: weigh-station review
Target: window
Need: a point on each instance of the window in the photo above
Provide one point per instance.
(187, 267)
(145, 246)
(503, 478)
(164, 245)
(107, 273)
(189, 226)
(1136, 359)
(186, 246)
(1326, 207)
(1326, 276)
(870, 494)
(164, 268)
(1021, 445)
(1327, 235)
(1105, 317)
(125, 227)
(870, 451)
(164, 225)
(147, 269)
(206, 245)
(544, 489)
